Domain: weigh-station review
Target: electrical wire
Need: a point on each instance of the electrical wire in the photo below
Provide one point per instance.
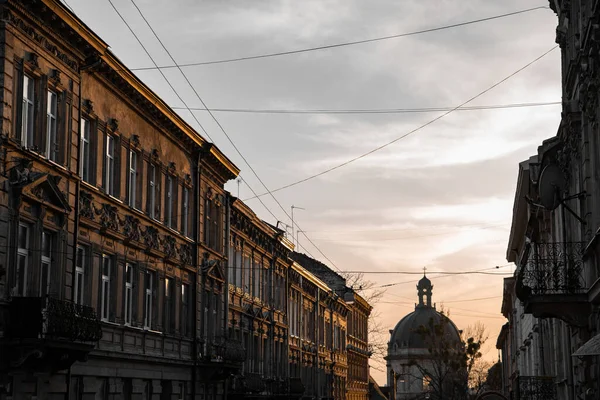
(344, 44)
(338, 166)
(226, 134)
(373, 111)
(409, 237)
(175, 91)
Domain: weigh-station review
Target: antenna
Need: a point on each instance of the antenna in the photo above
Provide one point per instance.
(551, 186)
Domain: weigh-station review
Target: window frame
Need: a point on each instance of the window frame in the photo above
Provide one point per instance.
(27, 129)
(23, 253)
(185, 211)
(79, 287)
(105, 288)
(45, 263)
(169, 198)
(149, 278)
(85, 143)
(51, 150)
(132, 178)
(129, 294)
(110, 165)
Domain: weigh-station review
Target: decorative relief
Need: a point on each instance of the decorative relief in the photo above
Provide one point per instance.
(135, 141)
(41, 194)
(172, 167)
(154, 155)
(54, 76)
(108, 217)
(31, 59)
(150, 238)
(185, 254)
(113, 124)
(168, 243)
(86, 206)
(131, 228)
(88, 106)
(21, 173)
(40, 39)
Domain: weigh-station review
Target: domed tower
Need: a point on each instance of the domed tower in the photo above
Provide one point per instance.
(407, 345)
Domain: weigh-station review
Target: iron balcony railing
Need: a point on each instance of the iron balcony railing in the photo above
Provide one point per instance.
(222, 349)
(554, 268)
(536, 388)
(50, 318)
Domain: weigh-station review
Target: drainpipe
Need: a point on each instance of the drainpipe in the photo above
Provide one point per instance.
(196, 234)
(229, 257)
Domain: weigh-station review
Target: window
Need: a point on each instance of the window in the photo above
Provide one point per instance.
(153, 200)
(80, 267)
(109, 173)
(247, 268)
(46, 264)
(185, 310)
(105, 292)
(169, 200)
(129, 270)
(133, 160)
(238, 266)
(148, 299)
(168, 305)
(212, 216)
(27, 112)
(22, 258)
(51, 128)
(185, 211)
(85, 151)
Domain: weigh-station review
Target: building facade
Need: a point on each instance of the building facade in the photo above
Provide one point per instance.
(553, 306)
(126, 269)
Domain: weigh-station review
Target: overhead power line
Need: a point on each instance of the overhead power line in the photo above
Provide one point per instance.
(383, 146)
(372, 111)
(226, 134)
(431, 272)
(344, 44)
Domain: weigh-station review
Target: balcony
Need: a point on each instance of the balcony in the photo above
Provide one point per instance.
(221, 357)
(49, 334)
(550, 282)
(535, 388)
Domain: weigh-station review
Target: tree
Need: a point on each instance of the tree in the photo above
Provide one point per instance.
(377, 335)
(450, 365)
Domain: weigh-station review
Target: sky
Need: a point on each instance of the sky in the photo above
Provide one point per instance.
(440, 198)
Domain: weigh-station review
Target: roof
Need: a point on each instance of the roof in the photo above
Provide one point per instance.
(405, 335)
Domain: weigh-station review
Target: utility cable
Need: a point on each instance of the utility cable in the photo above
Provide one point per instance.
(175, 91)
(227, 135)
(344, 44)
(410, 132)
(373, 110)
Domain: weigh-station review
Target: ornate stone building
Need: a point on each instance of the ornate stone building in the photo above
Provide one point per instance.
(126, 270)
(550, 341)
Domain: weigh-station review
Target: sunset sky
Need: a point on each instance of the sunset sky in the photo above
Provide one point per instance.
(441, 198)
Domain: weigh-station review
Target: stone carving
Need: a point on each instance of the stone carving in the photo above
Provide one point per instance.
(41, 194)
(113, 124)
(86, 206)
(131, 228)
(108, 217)
(88, 106)
(54, 76)
(135, 141)
(154, 155)
(172, 167)
(150, 238)
(185, 254)
(40, 39)
(188, 179)
(169, 246)
(21, 173)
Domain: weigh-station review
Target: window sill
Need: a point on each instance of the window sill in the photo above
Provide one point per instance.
(89, 185)
(112, 197)
(109, 323)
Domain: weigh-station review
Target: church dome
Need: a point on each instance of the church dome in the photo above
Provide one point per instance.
(405, 333)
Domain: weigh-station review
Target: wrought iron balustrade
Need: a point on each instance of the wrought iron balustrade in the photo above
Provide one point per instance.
(554, 268)
(39, 318)
(254, 383)
(536, 388)
(221, 349)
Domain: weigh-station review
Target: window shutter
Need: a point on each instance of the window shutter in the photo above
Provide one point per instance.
(155, 288)
(158, 184)
(135, 296)
(41, 97)
(18, 87)
(139, 181)
(116, 266)
(94, 140)
(117, 172)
